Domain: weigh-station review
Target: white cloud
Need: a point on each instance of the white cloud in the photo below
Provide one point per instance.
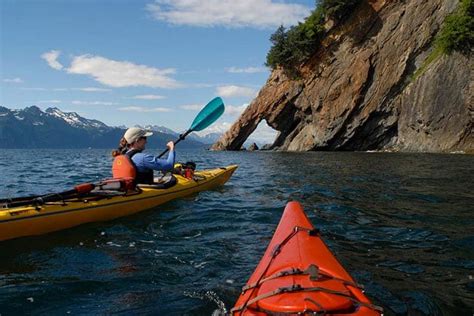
(236, 91)
(122, 73)
(248, 70)
(229, 13)
(51, 58)
(235, 110)
(87, 89)
(219, 127)
(14, 80)
(92, 89)
(149, 97)
(49, 101)
(92, 103)
(204, 85)
(142, 109)
(229, 109)
(34, 89)
(191, 107)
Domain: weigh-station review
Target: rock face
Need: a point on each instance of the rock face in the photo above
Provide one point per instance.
(359, 91)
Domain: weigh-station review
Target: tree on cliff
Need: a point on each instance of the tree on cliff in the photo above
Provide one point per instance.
(338, 9)
(294, 46)
(457, 33)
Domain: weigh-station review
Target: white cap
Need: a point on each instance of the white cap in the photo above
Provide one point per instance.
(134, 133)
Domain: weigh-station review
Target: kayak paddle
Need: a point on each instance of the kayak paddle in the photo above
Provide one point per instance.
(208, 115)
(49, 197)
(78, 191)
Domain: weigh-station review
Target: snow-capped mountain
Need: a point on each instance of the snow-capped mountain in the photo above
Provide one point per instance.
(74, 119)
(53, 128)
(161, 129)
(210, 138)
(207, 139)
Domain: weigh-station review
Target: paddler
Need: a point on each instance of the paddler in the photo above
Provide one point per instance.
(142, 165)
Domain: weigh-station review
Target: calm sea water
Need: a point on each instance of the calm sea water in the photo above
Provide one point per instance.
(402, 225)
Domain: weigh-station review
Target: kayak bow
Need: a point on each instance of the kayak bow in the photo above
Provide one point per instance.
(298, 275)
(34, 219)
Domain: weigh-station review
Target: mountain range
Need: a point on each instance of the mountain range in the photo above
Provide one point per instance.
(33, 128)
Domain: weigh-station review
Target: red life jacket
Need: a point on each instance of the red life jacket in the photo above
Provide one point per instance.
(123, 167)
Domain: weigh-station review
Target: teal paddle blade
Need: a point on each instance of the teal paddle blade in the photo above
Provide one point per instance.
(208, 115)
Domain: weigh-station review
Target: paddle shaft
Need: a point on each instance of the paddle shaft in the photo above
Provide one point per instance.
(208, 115)
(181, 137)
(78, 191)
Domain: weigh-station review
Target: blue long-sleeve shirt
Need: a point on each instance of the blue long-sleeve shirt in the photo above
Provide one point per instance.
(145, 162)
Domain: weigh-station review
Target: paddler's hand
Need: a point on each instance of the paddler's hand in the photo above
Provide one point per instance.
(170, 146)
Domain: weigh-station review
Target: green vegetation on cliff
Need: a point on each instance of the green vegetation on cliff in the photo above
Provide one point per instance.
(292, 47)
(457, 33)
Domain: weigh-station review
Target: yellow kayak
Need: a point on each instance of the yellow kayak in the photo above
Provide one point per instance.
(34, 219)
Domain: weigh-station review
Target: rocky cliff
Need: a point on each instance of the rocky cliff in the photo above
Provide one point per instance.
(368, 88)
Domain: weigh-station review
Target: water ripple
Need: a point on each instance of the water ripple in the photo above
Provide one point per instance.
(401, 224)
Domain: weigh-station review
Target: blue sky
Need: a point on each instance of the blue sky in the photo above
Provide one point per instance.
(128, 62)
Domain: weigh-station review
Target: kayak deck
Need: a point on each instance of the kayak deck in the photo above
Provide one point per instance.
(40, 219)
(298, 274)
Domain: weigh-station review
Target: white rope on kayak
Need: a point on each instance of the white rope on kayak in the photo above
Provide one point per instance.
(298, 288)
(287, 289)
(349, 297)
(314, 275)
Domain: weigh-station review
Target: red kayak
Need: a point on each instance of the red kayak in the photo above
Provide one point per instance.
(298, 274)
